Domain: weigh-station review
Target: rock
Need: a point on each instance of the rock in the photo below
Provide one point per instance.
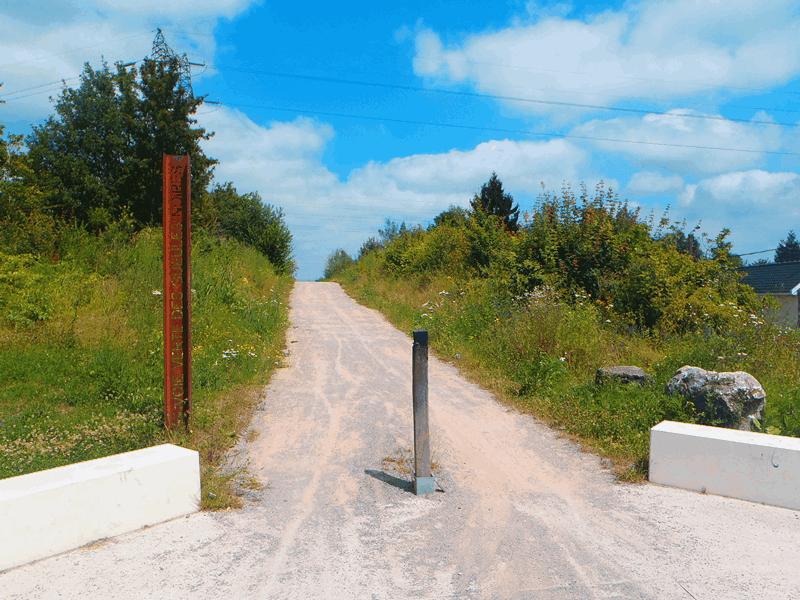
(622, 375)
(737, 398)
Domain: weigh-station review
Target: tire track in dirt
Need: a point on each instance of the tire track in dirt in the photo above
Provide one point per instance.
(525, 514)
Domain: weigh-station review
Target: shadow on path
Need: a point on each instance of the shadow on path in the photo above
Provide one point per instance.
(402, 484)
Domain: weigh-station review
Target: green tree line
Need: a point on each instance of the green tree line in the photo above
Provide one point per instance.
(96, 164)
(583, 247)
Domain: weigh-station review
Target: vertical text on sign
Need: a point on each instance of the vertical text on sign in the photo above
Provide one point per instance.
(177, 290)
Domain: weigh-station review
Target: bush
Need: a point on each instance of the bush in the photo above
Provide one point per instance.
(247, 219)
(585, 283)
(81, 350)
(338, 261)
(372, 244)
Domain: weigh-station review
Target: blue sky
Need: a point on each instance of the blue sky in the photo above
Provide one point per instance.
(345, 115)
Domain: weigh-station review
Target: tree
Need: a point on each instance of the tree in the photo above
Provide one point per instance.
(372, 244)
(454, 216)
(25, 225)
(78, 156)
(100, 157)
(247, 219)
(164, 125)
(685, 244)
(494, 201)
(759, 262)
(788, 250)
(338, 260)
(392, 231)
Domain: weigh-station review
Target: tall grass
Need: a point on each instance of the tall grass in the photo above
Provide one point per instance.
(81, 350)
(541, 354)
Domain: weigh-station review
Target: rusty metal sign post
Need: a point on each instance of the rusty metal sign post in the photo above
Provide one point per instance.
(423, 478)
(177, 291)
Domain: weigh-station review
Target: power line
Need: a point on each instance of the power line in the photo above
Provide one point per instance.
(514, 131)
(161, 52)
(759, 252)
(480, 95)
(187, 33)
(411, 88)
(36, 87)
(25, 62)
(127, 64)
(628, 77)
(474, 94)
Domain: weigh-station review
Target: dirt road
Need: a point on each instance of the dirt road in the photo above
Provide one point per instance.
(523, 513)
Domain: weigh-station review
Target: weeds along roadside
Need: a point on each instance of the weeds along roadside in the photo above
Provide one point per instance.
(540, 354)
(81, 351)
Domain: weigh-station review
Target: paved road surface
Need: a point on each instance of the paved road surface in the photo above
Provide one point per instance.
(524, 514)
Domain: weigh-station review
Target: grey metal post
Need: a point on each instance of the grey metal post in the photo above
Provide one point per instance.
(423, 479)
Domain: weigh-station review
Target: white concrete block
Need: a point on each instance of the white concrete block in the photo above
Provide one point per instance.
(726, 462)
(45, 513)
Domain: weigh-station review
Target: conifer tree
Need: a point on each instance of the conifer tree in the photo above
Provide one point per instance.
(788, 250)
(494, 201)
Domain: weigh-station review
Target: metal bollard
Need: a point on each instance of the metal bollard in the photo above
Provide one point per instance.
(423, 479)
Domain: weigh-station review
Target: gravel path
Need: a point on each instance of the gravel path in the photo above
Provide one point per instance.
(523, 513)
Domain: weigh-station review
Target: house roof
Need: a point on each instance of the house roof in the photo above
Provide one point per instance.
(773, 279)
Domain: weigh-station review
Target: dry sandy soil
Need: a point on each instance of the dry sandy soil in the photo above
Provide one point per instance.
(523, 513)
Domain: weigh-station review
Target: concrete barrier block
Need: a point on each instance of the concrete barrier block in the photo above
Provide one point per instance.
(45, 513)
(726, 462)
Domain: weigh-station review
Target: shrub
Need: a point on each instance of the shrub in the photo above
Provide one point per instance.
(338, 261)
(247, 219)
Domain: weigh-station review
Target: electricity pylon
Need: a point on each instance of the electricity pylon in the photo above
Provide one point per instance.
(162, 53)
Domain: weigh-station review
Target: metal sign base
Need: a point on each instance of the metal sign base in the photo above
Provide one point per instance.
(424, 485)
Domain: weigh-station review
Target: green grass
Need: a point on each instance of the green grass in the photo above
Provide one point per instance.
(81, 351)
(541, 355)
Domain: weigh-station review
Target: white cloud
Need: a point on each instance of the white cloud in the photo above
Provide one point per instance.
(666, 140)
(275, 160)
(538, 10)
(758, 207)
(653, 182)
(282, 162)
(655, 49)
(520, 165)
(33, 57)
(750, 190)
(179, 8)
(36, 54)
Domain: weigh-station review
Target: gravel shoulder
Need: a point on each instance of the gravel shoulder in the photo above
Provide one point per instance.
(522, 513)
